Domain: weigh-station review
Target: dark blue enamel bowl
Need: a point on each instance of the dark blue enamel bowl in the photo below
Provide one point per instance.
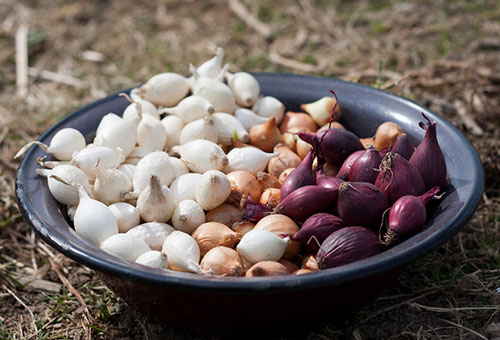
(252, 304)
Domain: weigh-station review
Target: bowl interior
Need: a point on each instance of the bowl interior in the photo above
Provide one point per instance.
(363, 109)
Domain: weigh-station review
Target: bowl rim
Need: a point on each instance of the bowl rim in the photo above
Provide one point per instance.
(387, 260)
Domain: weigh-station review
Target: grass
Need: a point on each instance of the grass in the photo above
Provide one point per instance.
(444, 295)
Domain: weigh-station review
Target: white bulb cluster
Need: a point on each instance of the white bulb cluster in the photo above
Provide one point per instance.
(143, 186)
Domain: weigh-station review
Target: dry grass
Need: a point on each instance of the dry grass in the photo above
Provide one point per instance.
(445, 55)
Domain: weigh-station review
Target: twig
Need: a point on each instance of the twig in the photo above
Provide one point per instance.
(19, 325)
(465, 328)
(144, 329)
(469, 122)
(443, 63)
(72, 289)
(23, 304)
(450, 310)
(487, 73)
(438, 82)
(294, 64)
(45, 325)
(476, 279)
(462, 249)
(486, 199)
(22, 60)
(300, 38)
(380, 311)
(8, 165)
(394, 82)
(248, 18)
(92, 56)
(56, 77)
(33, 259)
(419, 333)
(4, 133)
(490, 271)
(45, 249)
(373, 73)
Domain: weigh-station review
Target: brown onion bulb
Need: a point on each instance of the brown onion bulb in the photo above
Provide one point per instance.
(223, 261)
(270, 197)
(242, 227)
(286, 159)
(292, 267)
(330, 169)
(335, 125)
(267, 268)
(226, 214)
(289, 140)
(302, 148)
(309, 262)
(213, 234)
(302, 271)
(267, 180)
(265, 136)
(236, 143)
(284, 174)
(281, 225)
(386, 134)
(242, 184)
(297, 120)
(367, 142)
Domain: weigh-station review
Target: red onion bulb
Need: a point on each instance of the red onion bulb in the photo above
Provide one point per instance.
(347, 245)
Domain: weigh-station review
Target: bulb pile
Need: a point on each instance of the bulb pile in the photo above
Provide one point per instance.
(205, 174)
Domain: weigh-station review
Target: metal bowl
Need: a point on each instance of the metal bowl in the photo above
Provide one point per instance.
(221, 305)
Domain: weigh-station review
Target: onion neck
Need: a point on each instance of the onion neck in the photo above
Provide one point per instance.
(346, 185)
(155, 187)
(430, 195)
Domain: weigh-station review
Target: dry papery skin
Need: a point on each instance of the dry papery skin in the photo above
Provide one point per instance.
(442, 55)
(265, 136)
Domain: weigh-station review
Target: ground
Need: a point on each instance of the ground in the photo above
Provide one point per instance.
(442, 54)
